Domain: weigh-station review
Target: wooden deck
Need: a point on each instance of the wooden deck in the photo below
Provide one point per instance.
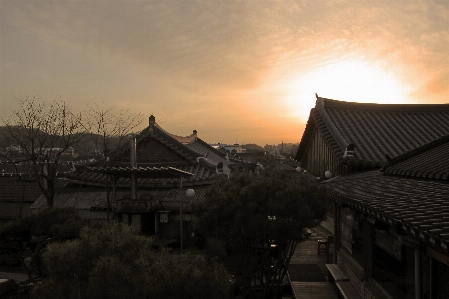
(306, 254)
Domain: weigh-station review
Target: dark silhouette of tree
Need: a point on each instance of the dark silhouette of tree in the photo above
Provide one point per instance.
(261, 216)
(24, 239)
(113, 262)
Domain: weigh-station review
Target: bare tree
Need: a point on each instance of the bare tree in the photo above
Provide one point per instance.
(43, 133)
(109, 129)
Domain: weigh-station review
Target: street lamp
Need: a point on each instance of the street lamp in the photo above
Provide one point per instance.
(190, 193)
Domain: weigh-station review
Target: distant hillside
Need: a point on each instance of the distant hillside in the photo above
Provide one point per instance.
(84, 147)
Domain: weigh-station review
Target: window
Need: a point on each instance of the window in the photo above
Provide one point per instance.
(353, 235)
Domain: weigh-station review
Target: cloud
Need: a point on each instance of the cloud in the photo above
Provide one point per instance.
(214, 55)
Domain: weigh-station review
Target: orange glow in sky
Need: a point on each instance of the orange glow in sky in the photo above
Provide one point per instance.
(235, 71)
(352, 81)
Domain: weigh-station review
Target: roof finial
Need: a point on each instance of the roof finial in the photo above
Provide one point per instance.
(152, 120)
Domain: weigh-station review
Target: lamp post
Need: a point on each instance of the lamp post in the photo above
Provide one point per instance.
(189, 193)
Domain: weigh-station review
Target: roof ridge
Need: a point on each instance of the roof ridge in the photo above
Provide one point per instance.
(330, 124)
(414, 152)
(150, 132)
(187, 139)
(331, 103)
(211, 148)
(177, 142)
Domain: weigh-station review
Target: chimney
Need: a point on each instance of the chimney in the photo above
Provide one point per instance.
(152, 120)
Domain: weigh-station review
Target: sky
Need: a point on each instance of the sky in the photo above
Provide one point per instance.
(236, 71)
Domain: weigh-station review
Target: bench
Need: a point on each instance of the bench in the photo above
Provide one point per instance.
(347, 290)
(335, 273)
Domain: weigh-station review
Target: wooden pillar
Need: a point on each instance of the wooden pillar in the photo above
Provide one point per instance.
(417, 273)
(336, 231)
(368, 231)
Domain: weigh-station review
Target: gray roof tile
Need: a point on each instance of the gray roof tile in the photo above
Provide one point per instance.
(375, 129)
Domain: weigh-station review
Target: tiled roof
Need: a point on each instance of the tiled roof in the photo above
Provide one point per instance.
(250, 157)
(86, 198)
(181, 139)
(171, 200)
(79, 198)
(14, 190)
(173, 142)
(374, 129)
(142, 172)
(418, 207)
(428, 161)
(203, 174)
(215, 156)
(158, 148)
(211, 154)
(23, 168)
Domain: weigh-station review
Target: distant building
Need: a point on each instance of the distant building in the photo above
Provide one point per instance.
(288, 149)
(230, 148)
(16, 196)
(68, 152)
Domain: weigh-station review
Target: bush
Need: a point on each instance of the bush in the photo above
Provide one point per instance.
(29, 235)
(112, 262)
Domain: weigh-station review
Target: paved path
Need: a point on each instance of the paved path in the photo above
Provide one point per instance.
(306, 253)
(18, 277)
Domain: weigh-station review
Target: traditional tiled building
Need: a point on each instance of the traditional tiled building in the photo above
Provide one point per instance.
(393, 225)
(391, 231)
(145, 182)
(345, 137)
(16, 196)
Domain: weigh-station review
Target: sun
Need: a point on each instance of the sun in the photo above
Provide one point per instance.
(353, 81)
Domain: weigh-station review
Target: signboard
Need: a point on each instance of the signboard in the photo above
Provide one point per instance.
(388, 243)
(163, 217)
